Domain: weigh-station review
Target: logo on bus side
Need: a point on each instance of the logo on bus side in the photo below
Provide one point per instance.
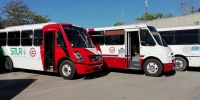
(32, 52)
(112, 49)
(195, 48)
(17, 51)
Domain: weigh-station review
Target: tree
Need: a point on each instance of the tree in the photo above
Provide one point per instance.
(198, 10)
(1, 23)
(18, 13)
(119, 23)
(147, 17)
(188, 7)
(168, 15)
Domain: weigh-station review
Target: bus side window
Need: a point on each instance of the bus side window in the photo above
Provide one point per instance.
(14, 38)
(3, 37)
(168, 36)
(114, 37)
(38, 37)
(60, 39)
(146, 38)
(97, 37)
(27, 38)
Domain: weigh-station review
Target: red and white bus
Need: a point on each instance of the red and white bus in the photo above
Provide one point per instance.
(54, 47)
(138, 47)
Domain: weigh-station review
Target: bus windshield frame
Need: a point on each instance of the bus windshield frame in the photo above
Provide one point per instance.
(78, 37)
(157, 36)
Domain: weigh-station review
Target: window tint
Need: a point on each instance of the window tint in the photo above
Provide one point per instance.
(98, 40)
(186, 37)
(60, 40)
(168, 36)
(97, 37)
(38, 37)
(26, 38)
(146, 38)
(14, 38)
(114, 39)
(3, 39)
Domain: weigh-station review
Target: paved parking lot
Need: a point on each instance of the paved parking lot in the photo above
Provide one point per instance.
(114, 85)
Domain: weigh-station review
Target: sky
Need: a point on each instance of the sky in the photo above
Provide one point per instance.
(100, 13)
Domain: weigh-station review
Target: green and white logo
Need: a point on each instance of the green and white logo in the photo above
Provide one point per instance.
(17, 51)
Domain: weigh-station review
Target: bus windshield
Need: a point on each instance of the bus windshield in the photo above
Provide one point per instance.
(77, 37)
(157, 36)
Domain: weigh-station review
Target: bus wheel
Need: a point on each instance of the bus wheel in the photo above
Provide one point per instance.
(152, 67)
(180, 64)
(67, 70)
(8, 64)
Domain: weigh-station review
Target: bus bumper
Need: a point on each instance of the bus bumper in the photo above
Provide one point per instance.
(86, 69)
(169, 67)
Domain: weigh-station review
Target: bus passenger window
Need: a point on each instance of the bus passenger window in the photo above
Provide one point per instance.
(97, 37)
(187, 37)
(3, 37)
(38, 37)
(26, 38)
(14, 38)
(114, 37)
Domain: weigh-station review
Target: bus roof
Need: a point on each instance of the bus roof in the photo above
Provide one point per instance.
(119, 27)
(179, 28)
(30, 26)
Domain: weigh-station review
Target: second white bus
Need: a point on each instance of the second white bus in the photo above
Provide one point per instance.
(185, 43)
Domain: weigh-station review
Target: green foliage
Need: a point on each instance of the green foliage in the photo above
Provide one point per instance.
(34, 18)
(198, 10)
(147, 17)
(119, 23)
(17, 13)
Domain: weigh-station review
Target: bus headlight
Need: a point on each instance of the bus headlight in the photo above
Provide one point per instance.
(78, 57)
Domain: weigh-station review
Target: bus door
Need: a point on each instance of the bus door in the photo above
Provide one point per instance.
(49, 46)
(133, 49)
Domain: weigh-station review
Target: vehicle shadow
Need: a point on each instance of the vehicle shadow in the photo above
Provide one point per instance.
(193, 69)
(127, 71)
(12, 87)
(38, 72)
(2, 71)
(168, 74)
(95, 75)
(87, 76)
(140, 72)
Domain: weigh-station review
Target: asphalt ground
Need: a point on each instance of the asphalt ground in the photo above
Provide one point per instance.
(113, 84)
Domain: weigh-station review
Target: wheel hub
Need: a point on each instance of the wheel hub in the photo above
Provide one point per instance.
(66, 69)
(152, 68)
(179, 64)
(7, 64)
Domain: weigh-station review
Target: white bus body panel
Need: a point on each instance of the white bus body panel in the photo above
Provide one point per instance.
(192, 55)
(25, 61)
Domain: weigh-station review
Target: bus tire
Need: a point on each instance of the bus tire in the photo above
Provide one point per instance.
(67, 70)
(153, 67)
(180, 64)
(8, 64)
